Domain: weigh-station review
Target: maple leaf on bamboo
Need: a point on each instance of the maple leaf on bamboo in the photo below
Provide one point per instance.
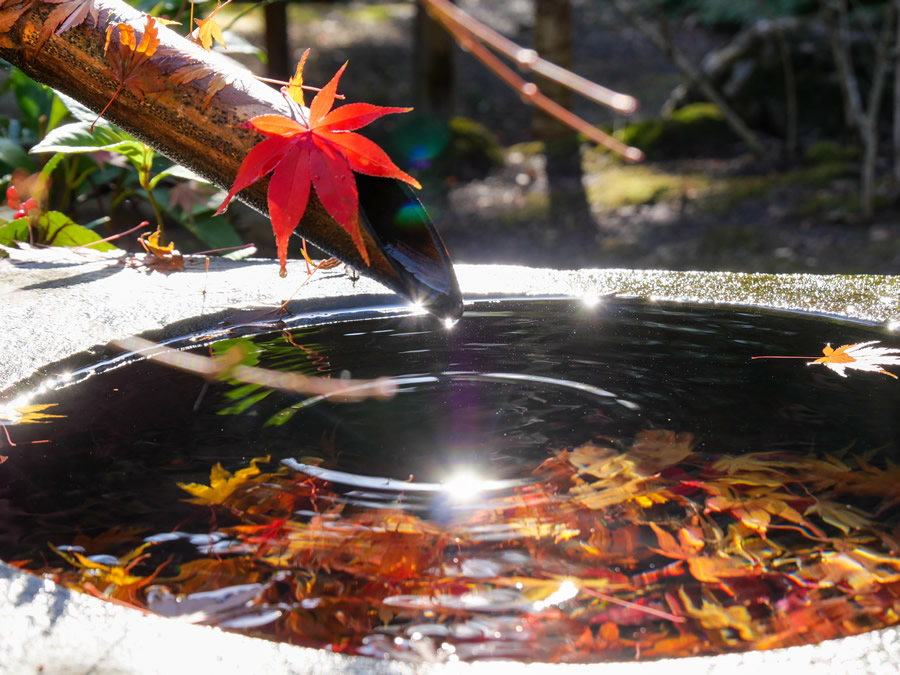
(128, 57)
(315, 149)
(68, 14)
(198, 71)
(10, 11)
(859, 356)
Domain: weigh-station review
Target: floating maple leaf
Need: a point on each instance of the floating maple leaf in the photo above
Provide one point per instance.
(127, 61)
(860, 356)
(315, 148)
(68, 14)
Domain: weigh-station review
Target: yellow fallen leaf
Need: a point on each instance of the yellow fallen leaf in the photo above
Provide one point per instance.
(208, 30)
(222, 483)
(28, 414)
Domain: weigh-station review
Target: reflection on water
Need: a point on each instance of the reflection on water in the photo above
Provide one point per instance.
(554, 480)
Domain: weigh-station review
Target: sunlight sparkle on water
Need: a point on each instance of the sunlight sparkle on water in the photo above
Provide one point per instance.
(11, 411)
(464, 486)
(566, 591)
(418, 308)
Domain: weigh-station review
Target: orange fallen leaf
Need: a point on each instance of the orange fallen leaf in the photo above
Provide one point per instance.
(715, 617)
(166, 255)
(198, 71)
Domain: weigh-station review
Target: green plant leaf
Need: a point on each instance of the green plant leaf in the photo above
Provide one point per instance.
(52, 229)
(51, 165)
(80, 112)
(78, 137)
(212, 231)
(176, 171)
(34, 100)
(58, 112)
(13, 156)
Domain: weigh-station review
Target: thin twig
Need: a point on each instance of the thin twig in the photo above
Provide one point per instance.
(531, 94)
(113, 237)
(531, 60)
(308, 87)
(223, 250)
(696, 75)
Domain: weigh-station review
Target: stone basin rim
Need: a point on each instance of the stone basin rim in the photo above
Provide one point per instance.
(48, 626)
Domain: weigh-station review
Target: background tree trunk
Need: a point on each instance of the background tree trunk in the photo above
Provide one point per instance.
(896, 56)
(277, 44)
(434, 79)
(553, 41)
(862, 118)
(662, 40)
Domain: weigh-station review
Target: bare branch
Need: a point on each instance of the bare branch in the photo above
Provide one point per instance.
(531, 60)
(229, 367)
(692, 72)
(528, 90)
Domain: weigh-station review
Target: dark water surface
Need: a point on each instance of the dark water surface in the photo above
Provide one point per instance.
(480, 410)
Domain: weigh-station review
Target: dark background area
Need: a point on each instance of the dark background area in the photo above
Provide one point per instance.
(756, 158)
(701, 200)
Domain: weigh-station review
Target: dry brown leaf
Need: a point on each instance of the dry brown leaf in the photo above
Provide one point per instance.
(67, 14)
(10, 11)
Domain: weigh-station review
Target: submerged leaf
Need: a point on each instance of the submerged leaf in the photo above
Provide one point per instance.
(222, 483)
(713, 616)
(841, 516)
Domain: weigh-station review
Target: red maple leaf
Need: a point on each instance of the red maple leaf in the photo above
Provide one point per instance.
(321, 151)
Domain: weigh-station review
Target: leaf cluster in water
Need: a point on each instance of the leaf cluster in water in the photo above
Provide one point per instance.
(616, 551)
